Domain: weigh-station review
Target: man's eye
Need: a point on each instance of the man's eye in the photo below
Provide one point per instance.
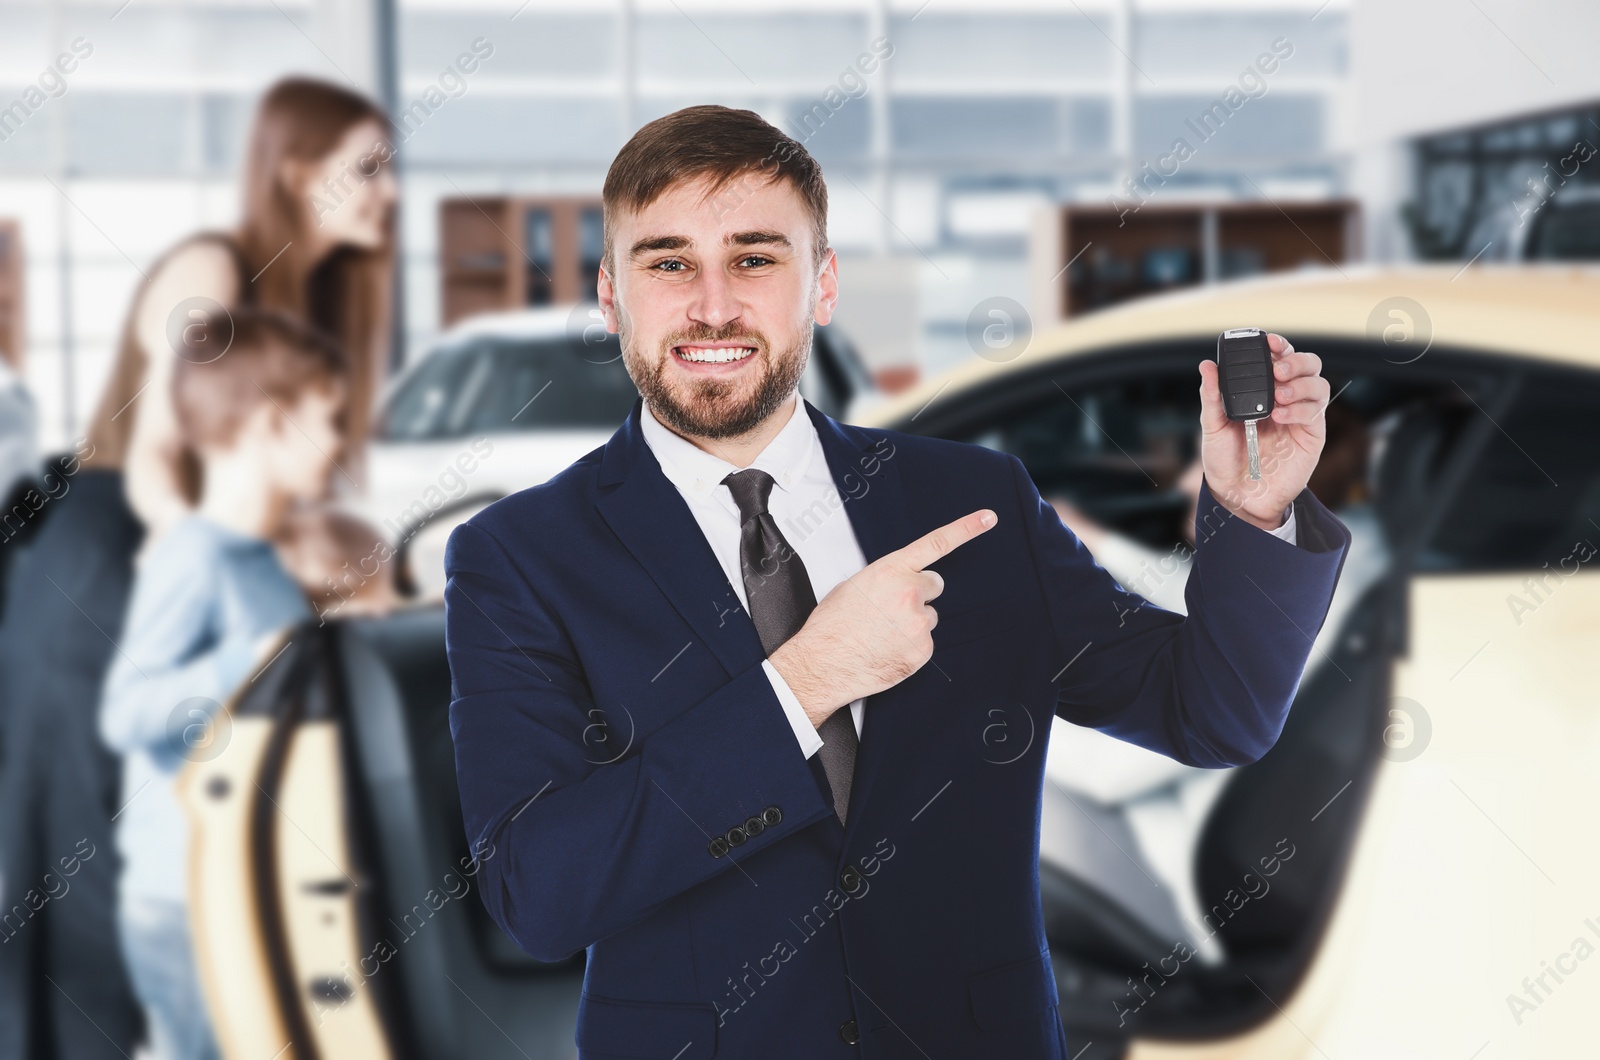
(754, 261)
(671, 265)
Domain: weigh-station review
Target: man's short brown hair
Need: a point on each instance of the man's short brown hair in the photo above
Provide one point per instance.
(270, 356)
(731, 147)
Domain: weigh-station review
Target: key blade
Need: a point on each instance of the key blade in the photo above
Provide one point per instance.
(1253, 449)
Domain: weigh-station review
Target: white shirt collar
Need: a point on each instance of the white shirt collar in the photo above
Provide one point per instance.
(698, 473)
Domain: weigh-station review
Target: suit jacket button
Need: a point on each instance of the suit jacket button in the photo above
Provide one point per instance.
(718, 847)
(847, 1031)
(850, 879)
(736, 836)
(754, 827)
(771, 815)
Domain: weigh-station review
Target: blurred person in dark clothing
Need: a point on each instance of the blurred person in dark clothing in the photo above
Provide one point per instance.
(19, 458)
(209, 604)
(315, 241)
(18, 422)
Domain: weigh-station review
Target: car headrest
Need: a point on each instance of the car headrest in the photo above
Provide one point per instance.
(1406, 458)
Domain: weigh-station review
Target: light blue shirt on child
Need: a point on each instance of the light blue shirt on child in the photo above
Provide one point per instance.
(202, 596)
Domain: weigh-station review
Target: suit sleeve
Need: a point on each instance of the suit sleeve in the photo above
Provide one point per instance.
(1210, 690)
(581, 828)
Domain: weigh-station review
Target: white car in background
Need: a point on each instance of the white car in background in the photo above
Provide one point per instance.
(504, 401)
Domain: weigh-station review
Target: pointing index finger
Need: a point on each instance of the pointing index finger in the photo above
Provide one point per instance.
(937, 544)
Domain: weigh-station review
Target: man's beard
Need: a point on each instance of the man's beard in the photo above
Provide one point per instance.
(710, 408)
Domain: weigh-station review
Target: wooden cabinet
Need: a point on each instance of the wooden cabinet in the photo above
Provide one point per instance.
(504, 252)
(1088, 257)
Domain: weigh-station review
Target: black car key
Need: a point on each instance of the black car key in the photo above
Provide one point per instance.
(1244, 373)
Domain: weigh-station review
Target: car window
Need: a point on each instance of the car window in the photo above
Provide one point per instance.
(1534, 494)
(1114, 442)
(1567, 233)
(1114, 450)
(1113, 437)
(512, 385)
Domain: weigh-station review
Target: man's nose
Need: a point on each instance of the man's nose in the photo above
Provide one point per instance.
(715, 301)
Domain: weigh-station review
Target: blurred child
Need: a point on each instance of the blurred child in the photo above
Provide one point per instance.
(341, 561)
(209, 601)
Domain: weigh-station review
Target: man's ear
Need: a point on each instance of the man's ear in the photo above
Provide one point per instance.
(827, 289)
(610, 310)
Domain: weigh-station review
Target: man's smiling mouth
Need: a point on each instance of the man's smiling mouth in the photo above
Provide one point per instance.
(713, 354)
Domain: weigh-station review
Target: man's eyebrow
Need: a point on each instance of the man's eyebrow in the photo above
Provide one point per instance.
(654, 243)
(757, 238)
(753, 238)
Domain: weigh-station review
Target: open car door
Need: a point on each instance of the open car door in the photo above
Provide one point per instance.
(280, 888)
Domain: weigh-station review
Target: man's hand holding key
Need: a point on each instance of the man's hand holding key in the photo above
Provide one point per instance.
(1290, 438)
(874, 629)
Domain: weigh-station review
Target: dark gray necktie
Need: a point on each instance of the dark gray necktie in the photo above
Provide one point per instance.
(779, 591)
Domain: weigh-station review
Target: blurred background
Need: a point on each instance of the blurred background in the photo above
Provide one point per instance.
(1043, 213)
(1411, 125)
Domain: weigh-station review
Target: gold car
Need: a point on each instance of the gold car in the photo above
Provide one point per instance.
(1441, 893)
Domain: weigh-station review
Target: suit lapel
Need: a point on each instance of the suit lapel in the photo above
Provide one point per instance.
(652, 520)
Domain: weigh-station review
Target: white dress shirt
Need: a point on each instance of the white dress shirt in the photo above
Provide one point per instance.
(806, 505)
(809, 511)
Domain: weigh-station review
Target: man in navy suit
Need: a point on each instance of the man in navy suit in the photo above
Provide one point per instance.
(726, 690)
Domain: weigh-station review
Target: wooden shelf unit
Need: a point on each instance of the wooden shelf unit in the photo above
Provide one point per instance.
(506, 252)
(1117, 255)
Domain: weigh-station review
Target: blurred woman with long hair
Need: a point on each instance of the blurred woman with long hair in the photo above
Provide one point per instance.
(315, 240)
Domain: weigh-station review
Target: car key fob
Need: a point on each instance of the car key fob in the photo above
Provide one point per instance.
(1244, 374)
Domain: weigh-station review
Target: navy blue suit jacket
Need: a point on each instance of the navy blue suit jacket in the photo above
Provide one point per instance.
(611, 719)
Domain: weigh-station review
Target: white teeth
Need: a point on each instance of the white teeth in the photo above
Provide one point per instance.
(719, 355)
